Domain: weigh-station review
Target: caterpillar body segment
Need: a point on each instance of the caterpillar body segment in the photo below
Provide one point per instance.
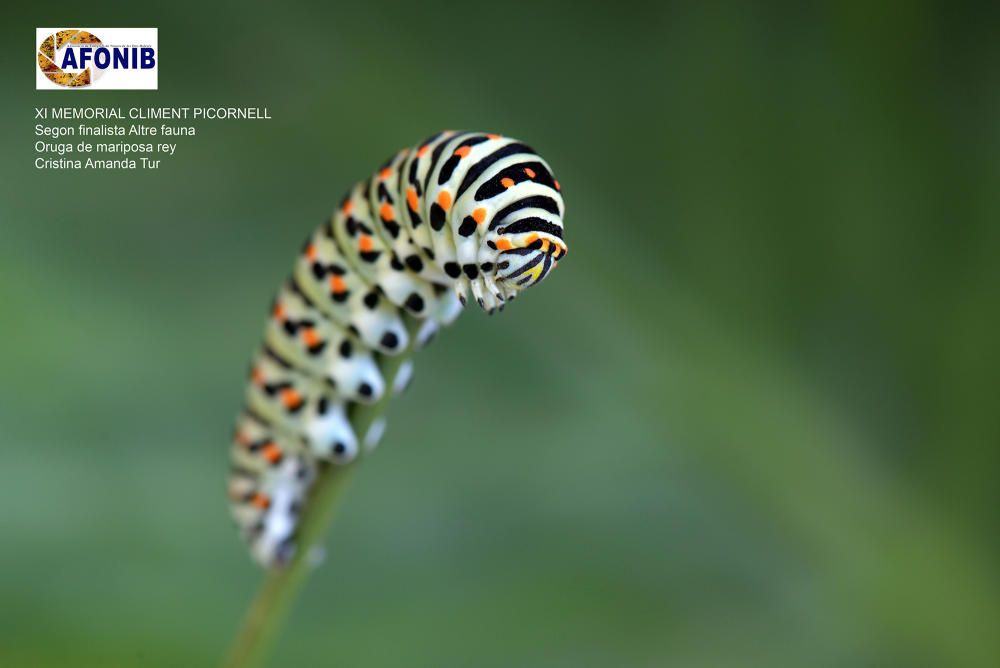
(304, 338)
(325, 276)
(295, 402)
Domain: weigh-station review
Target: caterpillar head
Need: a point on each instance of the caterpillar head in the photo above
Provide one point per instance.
(527, 250)
(526, 265)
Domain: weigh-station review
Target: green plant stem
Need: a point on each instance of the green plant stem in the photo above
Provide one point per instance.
(281, 586)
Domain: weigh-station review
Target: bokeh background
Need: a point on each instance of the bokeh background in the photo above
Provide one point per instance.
(757, 402)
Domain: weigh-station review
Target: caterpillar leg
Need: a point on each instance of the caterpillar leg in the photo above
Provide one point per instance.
(374, 434)
(428, 330)
(489, 300)
(403, 377)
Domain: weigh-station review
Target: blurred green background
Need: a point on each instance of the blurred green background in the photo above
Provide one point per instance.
(758, 399)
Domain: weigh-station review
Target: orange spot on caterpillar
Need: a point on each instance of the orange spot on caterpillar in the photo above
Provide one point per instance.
(530, 172)
(311, 252)
(492, 136)
(260, 501)
(444, 199)
(291, 399)
(387, 212)
(503, 244)
(507, 182)
(558, 187)
(279, 311)
(365, 243)
(271, 452)
(411, 199)
(257, 376)
(422, 151)
(310, 337)
(347, 208)
(385, 173)
(479, 215)
(464, 151)
(530, 240)
(337, 284)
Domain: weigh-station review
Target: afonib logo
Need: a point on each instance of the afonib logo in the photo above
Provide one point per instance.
(108, 58)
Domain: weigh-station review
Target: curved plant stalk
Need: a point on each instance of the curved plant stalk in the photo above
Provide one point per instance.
(274, 599)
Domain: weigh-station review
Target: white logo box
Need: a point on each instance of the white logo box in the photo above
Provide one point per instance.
(119, 67)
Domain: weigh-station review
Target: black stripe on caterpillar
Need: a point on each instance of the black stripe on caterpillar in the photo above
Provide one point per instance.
(460, 212)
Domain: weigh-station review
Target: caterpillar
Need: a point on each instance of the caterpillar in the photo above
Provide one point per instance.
(460, 212)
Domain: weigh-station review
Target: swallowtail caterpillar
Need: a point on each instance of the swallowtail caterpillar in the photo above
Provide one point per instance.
(461, 212)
